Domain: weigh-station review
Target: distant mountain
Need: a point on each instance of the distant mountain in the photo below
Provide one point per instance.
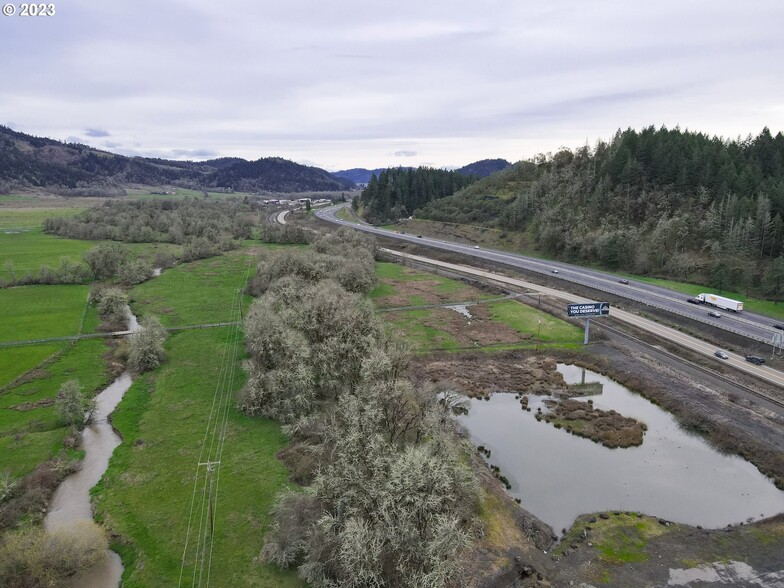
(359, 175)
(274, 174)
(480, 169)
(484, 168)
(76, 169)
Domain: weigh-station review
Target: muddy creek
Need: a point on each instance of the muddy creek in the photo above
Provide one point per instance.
(673, 474)
(71, 501)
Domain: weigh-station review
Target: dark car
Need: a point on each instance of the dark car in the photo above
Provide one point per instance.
(419, 236)
(756, 360)
(623, 281)
(779, 327)
(692, 301)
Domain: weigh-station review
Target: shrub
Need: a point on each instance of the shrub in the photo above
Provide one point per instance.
(73, 405)
(134, 272)
(112, 307)
(33, 558)
(146, 345)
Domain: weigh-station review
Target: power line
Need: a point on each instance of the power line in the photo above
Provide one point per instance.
(210, 455)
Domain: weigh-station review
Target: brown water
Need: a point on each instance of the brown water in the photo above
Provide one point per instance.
(71, 500)
(673, 474)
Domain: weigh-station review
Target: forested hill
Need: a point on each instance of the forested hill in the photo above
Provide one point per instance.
(483, 168)
(358, 175)
(277, 175)
(479, 169)
(75, 169)
(660, 201)
(397, 192)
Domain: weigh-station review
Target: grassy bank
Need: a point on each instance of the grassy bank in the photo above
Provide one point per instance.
(145, 495)
(30, 431)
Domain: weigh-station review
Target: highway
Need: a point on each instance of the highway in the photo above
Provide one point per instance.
(755, 327)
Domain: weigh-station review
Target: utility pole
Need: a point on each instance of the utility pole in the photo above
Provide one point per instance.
(539, 334)
(587, 330)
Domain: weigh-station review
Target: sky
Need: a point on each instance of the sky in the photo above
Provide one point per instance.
(344, 84)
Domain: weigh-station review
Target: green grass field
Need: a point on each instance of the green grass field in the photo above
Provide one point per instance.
(32, 217)
(445, 288)
(29, 250)
(14, 361)
(525, 319)
(31, 434)
(194, 293)
(146, 494)
(35, 312)
(422, 338)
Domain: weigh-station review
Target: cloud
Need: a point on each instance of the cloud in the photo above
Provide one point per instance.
(182, 154)
(448, 81)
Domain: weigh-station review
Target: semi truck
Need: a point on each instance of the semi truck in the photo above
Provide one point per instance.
(720, 302)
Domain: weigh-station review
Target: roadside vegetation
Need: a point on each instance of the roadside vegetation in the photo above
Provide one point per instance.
(657, 202)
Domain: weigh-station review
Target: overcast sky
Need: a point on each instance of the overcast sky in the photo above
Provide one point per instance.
(344, 83)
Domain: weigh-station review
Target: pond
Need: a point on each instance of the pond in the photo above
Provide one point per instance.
(674, 475)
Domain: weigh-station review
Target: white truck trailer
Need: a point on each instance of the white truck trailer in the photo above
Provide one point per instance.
(721, 302)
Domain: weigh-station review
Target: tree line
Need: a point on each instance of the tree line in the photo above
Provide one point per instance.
(189, 220)
(389, 499)
(397, 192)
(658, 201)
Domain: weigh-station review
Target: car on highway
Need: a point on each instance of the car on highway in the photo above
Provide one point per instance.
(623, 281)
(714, 314)
(476, 246)
(419, 236)
(692, 301)
(779, 327)
(721, 354)
(755, 359)
(555, 271)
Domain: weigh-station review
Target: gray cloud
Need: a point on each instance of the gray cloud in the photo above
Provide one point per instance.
(448, 81)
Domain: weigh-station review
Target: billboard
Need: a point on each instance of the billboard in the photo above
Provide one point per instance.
(588, 309)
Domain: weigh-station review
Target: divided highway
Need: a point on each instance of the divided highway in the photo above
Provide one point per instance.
(753, 326)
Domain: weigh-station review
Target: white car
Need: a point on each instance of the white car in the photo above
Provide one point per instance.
(721, 354)
(476, 246)
(555, 271)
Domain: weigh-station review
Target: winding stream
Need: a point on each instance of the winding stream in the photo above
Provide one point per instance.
(673, 474)
(71, 500)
